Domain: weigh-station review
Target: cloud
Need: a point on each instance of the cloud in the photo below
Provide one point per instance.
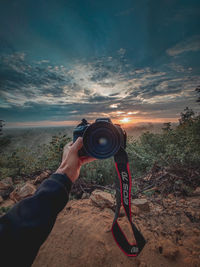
(121, 51)
(100, 98)
(192, 44)
(100, 87)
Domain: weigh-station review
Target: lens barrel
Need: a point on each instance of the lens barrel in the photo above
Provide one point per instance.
(101, 140)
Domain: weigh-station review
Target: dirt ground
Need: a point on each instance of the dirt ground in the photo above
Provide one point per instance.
(82, 237)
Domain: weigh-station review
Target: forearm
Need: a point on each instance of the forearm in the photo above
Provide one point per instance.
(26, 226)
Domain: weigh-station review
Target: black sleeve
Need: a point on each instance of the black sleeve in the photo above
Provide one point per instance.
(26, 226)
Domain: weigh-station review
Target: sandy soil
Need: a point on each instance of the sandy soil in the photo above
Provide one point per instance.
(82, 237)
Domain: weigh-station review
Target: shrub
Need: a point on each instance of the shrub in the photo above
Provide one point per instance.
(178, 147)
(24, 162)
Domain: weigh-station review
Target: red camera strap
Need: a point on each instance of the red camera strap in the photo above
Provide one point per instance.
(123, 197)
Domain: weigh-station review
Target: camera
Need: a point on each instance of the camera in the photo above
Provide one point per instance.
(104, 139)
(101, 139)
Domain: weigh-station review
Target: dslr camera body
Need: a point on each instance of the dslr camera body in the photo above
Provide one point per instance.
(101, 139)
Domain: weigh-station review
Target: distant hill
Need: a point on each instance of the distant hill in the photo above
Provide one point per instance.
(32, 137)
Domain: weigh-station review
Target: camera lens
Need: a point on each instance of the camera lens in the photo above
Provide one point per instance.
(101, 140)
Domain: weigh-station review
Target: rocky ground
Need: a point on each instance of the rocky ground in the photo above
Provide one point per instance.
(82, 233)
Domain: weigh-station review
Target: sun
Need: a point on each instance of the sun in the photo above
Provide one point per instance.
(125, 120)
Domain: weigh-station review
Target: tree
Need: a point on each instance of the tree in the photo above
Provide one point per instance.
(167, 127)
(1, 126)
(186, 116)
(198, 91)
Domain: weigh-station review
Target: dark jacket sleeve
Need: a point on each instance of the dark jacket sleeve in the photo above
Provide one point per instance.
(26, 226)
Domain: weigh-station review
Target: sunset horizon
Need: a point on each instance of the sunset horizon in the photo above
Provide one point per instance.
(135, 61)
(131, 123)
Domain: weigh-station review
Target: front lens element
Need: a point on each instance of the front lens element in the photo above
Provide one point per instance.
(101, 140)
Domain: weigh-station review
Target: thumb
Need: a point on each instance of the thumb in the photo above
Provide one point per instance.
(78, 144)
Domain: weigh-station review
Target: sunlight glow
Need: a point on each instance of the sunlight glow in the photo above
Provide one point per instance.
(125, 120)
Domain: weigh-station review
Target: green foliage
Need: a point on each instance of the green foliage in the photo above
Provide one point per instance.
(4, 210)
(1, 126)
(167, 127)
(4, 141)
(24, 162)
(99, 171)
(187, 116)
(179, 147)
(50, 155)
(173, 147)
(198, 91)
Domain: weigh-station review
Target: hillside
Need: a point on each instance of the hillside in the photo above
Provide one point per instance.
(82, 236)
(31, 138)
(165, 168)
(82, 233)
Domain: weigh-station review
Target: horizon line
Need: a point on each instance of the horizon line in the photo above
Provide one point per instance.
(40, 124)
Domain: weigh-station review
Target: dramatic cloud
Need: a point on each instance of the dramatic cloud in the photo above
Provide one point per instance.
(64, 60)
(192, 44)
(103, 87)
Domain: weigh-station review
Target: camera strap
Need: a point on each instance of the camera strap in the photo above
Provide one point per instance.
(123, 197)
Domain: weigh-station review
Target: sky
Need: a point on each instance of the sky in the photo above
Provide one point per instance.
(64, 60)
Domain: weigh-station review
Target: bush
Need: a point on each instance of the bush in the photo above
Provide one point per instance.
(4, 141)
(24, 162)
(99, 171)
(179, 147)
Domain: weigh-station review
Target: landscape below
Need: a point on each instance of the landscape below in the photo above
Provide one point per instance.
(165, 168)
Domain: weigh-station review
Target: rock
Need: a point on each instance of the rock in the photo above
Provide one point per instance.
(109, 211)
(157, 209)
(142, 264)
(196, 192)
(42, 177)
(141, 203)
(7, 203)
(171, 252)
(23, 192)
(5, 189)
(1, 199)
(7, 180)
(172, 235)
(171, 196)
(196, 231)
(191, 261)
(102, 199)
(168, 249)
(135, 210)
(85, 195)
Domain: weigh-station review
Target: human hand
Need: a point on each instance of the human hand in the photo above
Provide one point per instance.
(71, 162)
